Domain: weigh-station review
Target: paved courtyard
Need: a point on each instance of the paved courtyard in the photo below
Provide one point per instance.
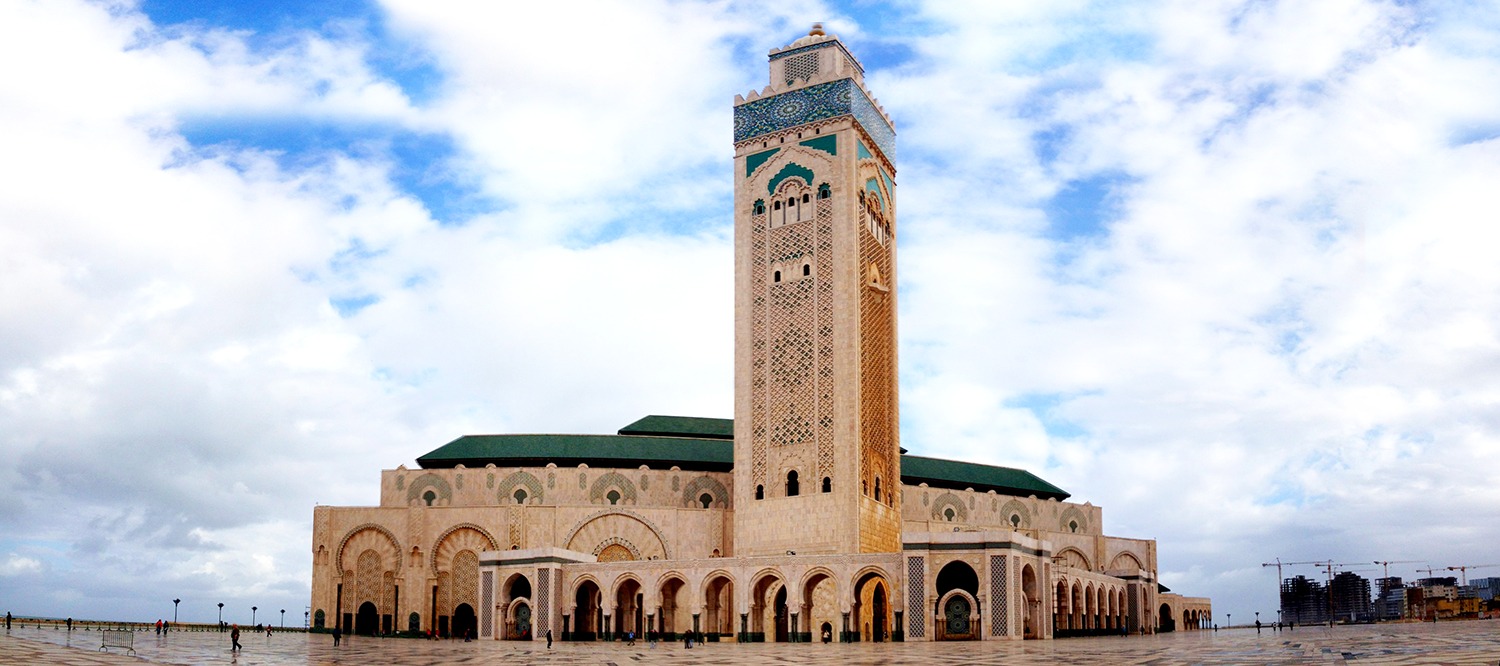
(1476, 642)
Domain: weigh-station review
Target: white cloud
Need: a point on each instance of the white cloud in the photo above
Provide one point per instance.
(16, 565)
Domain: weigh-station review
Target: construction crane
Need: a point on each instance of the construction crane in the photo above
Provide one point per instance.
(1429, 571)
(1385, 566)
(1279, 564)
(1463, 570)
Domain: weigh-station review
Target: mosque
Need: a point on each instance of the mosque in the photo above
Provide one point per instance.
(800, 520)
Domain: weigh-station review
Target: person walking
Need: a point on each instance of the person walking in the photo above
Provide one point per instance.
(234, 638)
(7, 620)
(336, 635)
(549, 631)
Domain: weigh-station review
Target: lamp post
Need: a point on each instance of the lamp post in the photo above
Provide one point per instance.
(283, 618)
(1228, 620)
(174, 610)
(221, 616)
(252, 614)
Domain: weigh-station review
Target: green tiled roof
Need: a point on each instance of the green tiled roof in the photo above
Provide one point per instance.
(700, 444)
(681, 426)
(959, 475)
(710, 455)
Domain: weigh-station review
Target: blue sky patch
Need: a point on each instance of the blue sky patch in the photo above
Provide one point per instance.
(1083, 208)
(421, 165)
(351, 305)
(1046, 406)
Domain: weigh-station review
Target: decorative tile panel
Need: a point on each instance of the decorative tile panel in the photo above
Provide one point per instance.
(999, 603)
(916, 598)
(486, 603)
(543, 619)
(804, 105)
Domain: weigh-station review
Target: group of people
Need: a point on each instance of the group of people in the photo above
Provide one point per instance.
(162, 626)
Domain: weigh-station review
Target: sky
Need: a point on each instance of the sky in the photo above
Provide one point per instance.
(1226, 269)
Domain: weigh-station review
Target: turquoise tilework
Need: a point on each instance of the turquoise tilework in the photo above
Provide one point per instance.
(805, 105)
(828, 144)
(753, 162)
(791, 169)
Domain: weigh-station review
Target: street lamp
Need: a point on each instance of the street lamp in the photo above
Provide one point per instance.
(1228, 620)
(252, 614)
(283, 618)
(174, 610)
(221, 616)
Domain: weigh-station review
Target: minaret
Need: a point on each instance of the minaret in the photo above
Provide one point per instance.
(817, 452)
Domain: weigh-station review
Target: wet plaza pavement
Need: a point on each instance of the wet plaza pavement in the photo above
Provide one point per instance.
(1475, 642)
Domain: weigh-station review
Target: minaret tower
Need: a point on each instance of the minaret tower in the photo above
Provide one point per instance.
(817, 459)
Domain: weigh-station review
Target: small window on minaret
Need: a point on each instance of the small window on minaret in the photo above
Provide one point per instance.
(806, 270)
(827, 485)
(791, 484)
(760, 492)
(877, 489)
(824, 192)
(760, 207)
(776, 277)
(806, 198)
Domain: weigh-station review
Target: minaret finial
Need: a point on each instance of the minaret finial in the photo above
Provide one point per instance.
(817, 30)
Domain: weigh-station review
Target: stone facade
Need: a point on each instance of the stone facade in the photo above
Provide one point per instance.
(808, 529)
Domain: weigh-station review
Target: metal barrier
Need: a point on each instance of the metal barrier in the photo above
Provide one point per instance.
(117, 638)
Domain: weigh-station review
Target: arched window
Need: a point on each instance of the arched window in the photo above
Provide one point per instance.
(760, 207)
(791, 202)
(429, 497)
(877, 489)
(948, 513)
(806, 198)
(806, 270)
(776, 277)
(760, 492)
(777, 205)
(706, 500)
(613, 497)
(824, 192)
(520, 496)
(791, 484)
(827, 484)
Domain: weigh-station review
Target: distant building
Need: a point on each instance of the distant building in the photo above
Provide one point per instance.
(1485, 589)
(1304, 601)
(1391, 604)
(1351, 598)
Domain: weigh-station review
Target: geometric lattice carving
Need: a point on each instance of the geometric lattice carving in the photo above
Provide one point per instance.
(800, 68)
(877, 381)
(520, 480)
(947, 507)
(466, 579)
(543, 619)
(705, 484)
(824, 381)
(999, 602)
(367, 577)
(615, 480)
(758, 278)
(1073, 520)
(1015, 514)
(916, 597)
(486, 603)
(439, 487)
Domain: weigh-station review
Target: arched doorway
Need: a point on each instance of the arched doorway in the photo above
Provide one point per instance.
(517, 595)
(768, 612)
(464, 622)
(1032, 623)
(872, 613)
(956, 623)
(819, 599)
(629, 616)
(586, 612)
(520, 622)
(367, 621)
(669, 622)
(957, 620)
(1164, 619)
(718, 605)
